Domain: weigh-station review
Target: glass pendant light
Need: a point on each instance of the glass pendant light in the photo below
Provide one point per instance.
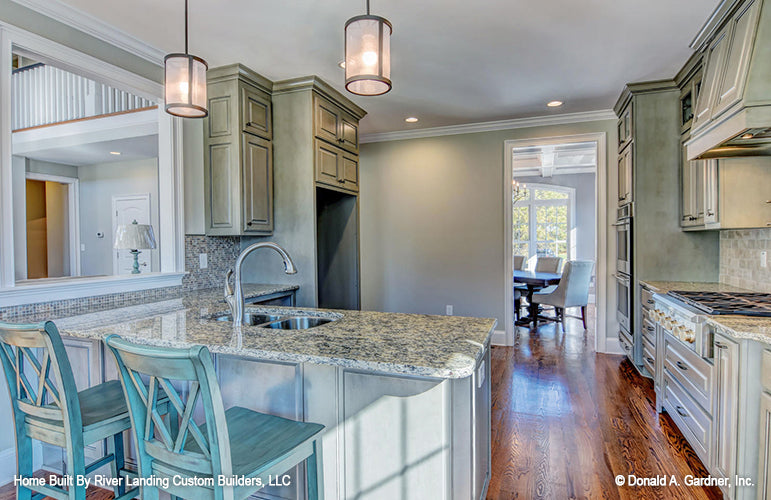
(368, 54)
(185, 83)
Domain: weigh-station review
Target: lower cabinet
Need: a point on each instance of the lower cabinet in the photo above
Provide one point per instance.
(764, 457)
(725, 406)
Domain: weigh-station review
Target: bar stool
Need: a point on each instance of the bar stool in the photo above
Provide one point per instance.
(234, 443)
(48, 407)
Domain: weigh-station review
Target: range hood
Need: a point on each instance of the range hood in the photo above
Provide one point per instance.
(733, 111)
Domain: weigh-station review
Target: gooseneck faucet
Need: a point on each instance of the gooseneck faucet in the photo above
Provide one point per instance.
(236, 300)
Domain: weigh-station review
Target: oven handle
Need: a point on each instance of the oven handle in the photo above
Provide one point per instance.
(621, 222)
(622, 279)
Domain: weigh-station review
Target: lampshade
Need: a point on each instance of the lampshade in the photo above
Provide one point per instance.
(185, 85)
(134, 237)
(368, 55)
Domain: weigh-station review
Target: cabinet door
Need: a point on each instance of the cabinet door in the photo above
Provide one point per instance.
(743, 27)
(764, 459)
(328, 159)
(725, 406)
(256, 113)
(625, 169)
(711, 209)
(716, 60)
(688, 190)
(349, 173)
(349, 133)
(258, 184)
(327, 120)
(625, 127)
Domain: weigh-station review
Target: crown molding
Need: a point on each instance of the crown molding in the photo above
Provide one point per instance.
(90, 25)
(470, 128)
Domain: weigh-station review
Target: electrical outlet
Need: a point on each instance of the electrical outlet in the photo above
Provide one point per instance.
(763, 259)
(448, 310)
(203, 261)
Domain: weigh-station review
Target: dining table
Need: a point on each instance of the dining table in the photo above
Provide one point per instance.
(534, 281)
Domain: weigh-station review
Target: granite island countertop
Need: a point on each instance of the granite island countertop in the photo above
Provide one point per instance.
(411, 344)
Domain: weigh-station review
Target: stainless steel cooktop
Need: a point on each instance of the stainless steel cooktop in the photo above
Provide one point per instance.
(741, 303)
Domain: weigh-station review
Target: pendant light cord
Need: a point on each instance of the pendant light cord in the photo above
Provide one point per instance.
(186, 25)
(367, 6)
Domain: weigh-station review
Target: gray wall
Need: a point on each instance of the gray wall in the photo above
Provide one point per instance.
(98, 184)
(193, 176)
(432, 217)
(584, 216)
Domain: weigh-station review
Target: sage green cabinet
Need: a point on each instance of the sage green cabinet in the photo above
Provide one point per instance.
(335, 167)
(625, 175)
(727, 63)
(238, 156)
(725, 406)
(334, 125)
(691, 196)
(625, 128)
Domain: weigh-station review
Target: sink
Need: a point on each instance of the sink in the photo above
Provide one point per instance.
(297, 323)
(251, 319)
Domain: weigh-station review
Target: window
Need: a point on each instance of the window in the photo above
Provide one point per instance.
(541, 221)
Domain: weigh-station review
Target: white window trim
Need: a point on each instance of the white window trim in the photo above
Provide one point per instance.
(604, 323)
(170, 182)
(532, 222)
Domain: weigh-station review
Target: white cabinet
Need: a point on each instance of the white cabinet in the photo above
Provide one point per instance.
(764, 457)
(710, 191)
(725, 407)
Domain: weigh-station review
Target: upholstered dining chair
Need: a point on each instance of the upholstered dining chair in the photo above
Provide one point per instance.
(548, 264)
(520, 262)
(572, 291)
(226, 443)
(47, 407)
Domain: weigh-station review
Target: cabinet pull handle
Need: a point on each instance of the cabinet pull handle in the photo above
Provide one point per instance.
(681, 411)
(650, 328)
(710, 213)
(650, 301)
(649, 360)
(681, 366)
(720, 346)
(341, 180)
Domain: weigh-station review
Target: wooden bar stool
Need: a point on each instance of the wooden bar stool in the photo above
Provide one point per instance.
(48, 407)
(234, 443)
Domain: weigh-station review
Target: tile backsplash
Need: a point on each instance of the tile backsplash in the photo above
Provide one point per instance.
(740, 258)
(221, 251)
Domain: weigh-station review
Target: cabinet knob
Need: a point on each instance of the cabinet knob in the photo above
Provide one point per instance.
(341, 181)
(249, 223)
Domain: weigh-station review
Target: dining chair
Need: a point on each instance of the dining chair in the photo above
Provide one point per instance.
(519, 262)
(546, 264)
(226, 443)
(572, 290)
(47, 407)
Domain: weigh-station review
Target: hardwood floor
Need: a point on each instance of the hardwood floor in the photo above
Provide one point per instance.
(566, 421)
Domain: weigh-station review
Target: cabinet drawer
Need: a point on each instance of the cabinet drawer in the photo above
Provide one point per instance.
(626, 342)
(649, 357)
(646, 298)
(690, 370)
(766, 370)
(693, 422)
(649, 331)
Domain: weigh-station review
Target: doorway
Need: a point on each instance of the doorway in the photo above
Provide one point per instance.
(125, 210)
(554, 204)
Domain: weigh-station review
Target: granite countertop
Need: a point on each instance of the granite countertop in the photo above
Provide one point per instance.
(663, 287)
(412, 344)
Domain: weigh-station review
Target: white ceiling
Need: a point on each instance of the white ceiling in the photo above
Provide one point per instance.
(454, 61)
(130, 148)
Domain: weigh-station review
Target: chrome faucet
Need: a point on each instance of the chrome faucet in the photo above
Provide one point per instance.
(236, 300)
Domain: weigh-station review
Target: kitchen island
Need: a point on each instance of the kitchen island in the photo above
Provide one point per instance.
(405, 398)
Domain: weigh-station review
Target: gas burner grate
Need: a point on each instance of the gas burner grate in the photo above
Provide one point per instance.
(741, 303)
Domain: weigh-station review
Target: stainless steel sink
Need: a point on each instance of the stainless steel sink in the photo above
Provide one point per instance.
(297, 323)
(250, 319)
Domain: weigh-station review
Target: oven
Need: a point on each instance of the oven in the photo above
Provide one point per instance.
(623, 301)
(623, 227)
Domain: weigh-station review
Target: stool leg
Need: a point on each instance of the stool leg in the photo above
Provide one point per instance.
(315, 473)
(76, 461)
(118, 462)
(24, 463)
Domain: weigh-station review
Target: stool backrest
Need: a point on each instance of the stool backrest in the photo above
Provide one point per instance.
(147, 375)
(39, 375)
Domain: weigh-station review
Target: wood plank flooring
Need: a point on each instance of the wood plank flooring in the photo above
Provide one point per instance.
(566, 421)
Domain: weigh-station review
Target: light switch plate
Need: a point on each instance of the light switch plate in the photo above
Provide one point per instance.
(763, 259)
(448, 310)
(203, 260)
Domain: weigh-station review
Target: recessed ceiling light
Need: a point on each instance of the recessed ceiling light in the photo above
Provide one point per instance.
(554, 104)
(341, 64)
(115, 152)
(411, 119)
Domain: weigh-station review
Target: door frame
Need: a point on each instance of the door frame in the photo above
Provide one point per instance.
(73, 200)
(601, 248)
(118, 197)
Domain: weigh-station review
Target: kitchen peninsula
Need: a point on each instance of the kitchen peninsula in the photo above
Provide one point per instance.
(405, 398)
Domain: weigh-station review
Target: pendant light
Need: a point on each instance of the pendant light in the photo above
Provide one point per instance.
(185, 83)
(368, 54)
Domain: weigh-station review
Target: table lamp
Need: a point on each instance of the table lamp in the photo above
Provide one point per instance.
(134, 237)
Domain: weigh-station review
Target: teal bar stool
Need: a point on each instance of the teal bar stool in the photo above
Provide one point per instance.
(234, 443)
(48, 407)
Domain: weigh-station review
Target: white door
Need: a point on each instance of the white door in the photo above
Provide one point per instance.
(125, 210)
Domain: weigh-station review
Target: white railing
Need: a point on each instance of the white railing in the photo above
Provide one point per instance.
(44, 95)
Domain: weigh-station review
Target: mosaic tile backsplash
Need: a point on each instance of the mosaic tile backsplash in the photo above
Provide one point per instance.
(740, 258)
(221, 252)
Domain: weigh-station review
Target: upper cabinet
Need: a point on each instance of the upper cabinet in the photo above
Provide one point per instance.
(238, 159)
(334, 125)
(625, 127)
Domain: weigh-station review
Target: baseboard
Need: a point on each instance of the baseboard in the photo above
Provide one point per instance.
(499, 338)
(7, 465)
(613, 346)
